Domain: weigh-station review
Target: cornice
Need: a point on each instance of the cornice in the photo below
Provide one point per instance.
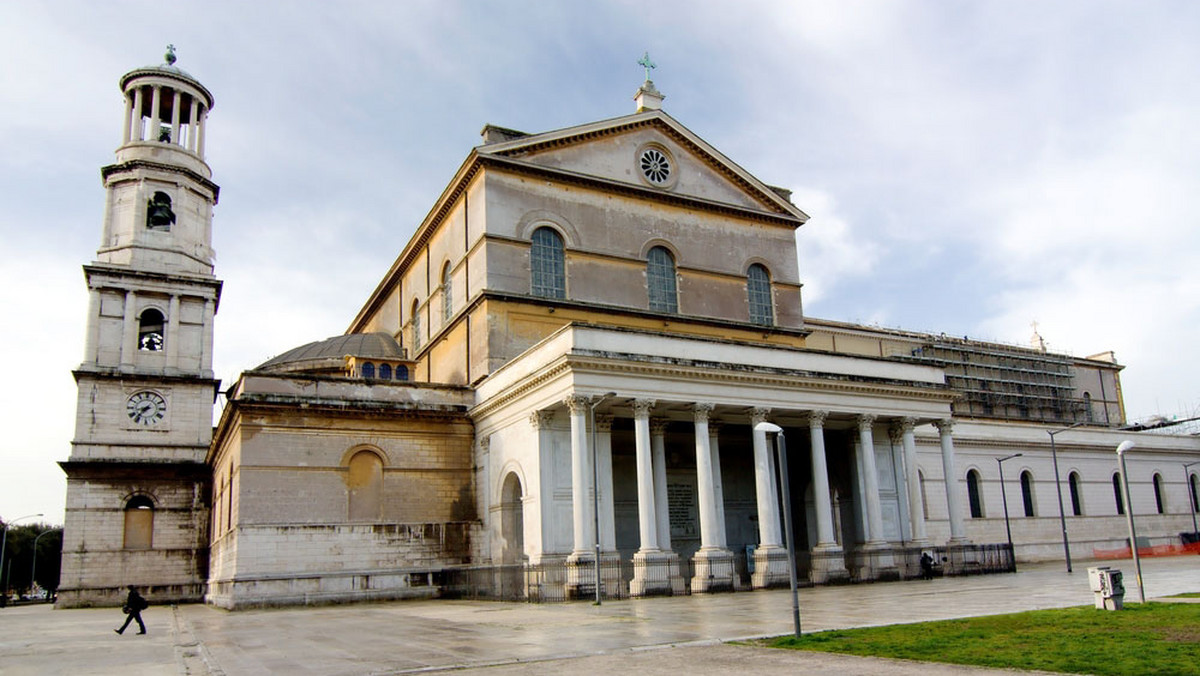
(130, 165)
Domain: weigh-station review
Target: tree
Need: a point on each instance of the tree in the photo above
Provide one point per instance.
(19, 560)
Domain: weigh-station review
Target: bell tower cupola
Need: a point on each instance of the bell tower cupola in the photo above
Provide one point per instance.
(160, 192)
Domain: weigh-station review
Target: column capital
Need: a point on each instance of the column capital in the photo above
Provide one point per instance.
(658, 426)
(714, 427)
(817, 418)
(895, 433)
(944, 426)
(758, 415)
(577, 403)
(865, 421)
(485, 443)
(907, 424)
(541, 419)
(642, 407)
(701, 410)
(604, 422)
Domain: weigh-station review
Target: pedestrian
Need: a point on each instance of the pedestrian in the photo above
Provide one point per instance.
(926, 566)
(134, 605)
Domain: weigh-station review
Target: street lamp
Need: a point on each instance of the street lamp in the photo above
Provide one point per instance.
(1004, 497)
(1062, 518)
(1137, 562)
(781, 453)
(596, 482)
(1191, 494)
(33, 571)
(4, 543)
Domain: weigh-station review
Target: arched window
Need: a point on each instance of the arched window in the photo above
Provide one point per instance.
(973, 495)
(1195, 489)
(401, 372)
(364, 482)
(139, 523)
(368, 370)
(660, 280)
(512, 520)
(1073, 483)
(1117, 493)
(1027, 492)
(758, 289)
(150, 330)
(416, 326)
(1158, 496)
(385, 371)
(547, 264)
(447, 295)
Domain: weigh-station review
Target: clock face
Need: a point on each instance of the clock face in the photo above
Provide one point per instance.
(146, 408)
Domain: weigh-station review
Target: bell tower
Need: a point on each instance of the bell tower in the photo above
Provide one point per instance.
(137, 484)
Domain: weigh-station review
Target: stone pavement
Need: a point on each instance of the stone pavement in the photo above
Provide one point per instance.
(653, 636)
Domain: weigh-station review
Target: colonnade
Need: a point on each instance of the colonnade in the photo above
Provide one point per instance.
(656, 564)
(185, 132)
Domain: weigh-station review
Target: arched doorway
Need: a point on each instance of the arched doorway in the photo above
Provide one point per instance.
(512, 520)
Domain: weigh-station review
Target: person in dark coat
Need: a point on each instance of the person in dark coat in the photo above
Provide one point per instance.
(926, 566)
(134, 605)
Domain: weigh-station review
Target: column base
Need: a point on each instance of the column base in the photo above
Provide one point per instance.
(581, 575)
(828, 565)
(770, 568)
(876, 561)
(655, 573)
(714, 571)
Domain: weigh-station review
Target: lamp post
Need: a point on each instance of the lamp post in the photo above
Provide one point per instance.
(1191, 494)
(1062, 518)
(596, 482)
(33, 571)
(1137, 562)
(1004, 497)
(781, 454)
(4, 543)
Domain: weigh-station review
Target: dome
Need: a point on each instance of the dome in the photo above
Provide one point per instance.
(331, 353)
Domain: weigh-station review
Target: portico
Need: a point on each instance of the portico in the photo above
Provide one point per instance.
(686, 487)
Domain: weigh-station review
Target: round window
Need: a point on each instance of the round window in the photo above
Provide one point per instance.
(655, 165)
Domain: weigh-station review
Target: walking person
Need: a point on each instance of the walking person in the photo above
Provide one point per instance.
(134, 605)
(926, 566)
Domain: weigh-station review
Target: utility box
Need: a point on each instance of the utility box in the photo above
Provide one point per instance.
(1108, 587)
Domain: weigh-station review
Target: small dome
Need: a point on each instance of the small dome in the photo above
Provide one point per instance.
(331, 352)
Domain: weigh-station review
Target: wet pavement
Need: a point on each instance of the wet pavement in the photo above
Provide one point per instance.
(652, 636)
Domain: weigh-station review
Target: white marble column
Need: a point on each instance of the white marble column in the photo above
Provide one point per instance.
(91, 349)
(820, 472)
(192, 119)
(175, 118)
(139, 129)
(581, 518)
(953, 501)
(155, 114)
(916, 505)
(764, 485)
(127, 133)
(870, 482)
(206, 341)
(705, 488)
(647, 523)
(129, 339)
(542, 544)
(200, 132)
(608, 533)
(714, 447)
(658, 429)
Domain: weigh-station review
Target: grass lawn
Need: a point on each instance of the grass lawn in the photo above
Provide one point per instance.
(1151, 638)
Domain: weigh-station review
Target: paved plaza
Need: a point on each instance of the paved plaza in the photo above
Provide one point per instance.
(651, 636)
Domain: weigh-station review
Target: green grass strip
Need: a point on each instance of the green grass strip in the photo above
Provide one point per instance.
(1142, 639)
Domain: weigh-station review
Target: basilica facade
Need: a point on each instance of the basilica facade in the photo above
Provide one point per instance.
(592, 349)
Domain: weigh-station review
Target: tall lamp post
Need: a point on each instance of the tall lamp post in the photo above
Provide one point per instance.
(1137, 562)
(4, 543)
(1062, 518)
(1004, 497)
(33, 571)
(781, 453)
(1191, 494)
(596, 482)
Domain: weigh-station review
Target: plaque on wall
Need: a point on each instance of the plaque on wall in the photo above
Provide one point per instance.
(682, 510)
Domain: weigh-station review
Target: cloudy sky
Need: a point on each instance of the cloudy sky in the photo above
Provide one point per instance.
(970, 167)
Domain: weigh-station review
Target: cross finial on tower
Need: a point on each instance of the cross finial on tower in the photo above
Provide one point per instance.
(646, 63)
(170, 56)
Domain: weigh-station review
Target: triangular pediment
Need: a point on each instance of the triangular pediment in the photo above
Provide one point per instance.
(650, 150)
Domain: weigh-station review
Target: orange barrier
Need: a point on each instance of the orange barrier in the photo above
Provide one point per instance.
(1156, 550)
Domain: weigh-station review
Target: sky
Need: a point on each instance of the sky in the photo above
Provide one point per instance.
(969, 167)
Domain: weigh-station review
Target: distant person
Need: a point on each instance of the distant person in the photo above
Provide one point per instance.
(926, 566)
(134, 605)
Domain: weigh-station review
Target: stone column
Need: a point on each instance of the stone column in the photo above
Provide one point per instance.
(155, 112)
(647, 523)
(658, 428)
(870, 481)
(206, 342)
(770, 557)
(127, 132)
(713, 563)
(130, 336)
(175, 118)
(139, 132)
(828, 558)
(608, 533)
(714, 446)
(953, 501)
(91, 349)
(916, 504)
(200, 132)
(543, 492)
(193, 113)
(581, 520)
(172, 337)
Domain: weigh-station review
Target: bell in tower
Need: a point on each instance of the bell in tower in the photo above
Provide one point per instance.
(137, 482)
